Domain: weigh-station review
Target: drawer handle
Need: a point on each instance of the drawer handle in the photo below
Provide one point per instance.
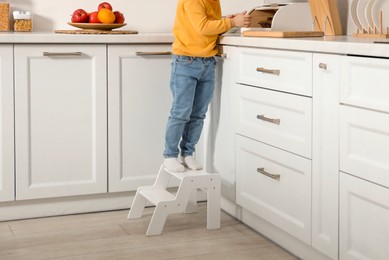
(222, 55)
(273, 176)
(323, 66)
(270, 120)
(152, 53)
(275, 72)
(50, 54)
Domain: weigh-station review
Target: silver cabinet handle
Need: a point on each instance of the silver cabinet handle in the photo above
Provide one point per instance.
(222, 55)
(273, 176)
(270, 120)
(275, 72)
(323, 66)
(48, 54)
(150, 53)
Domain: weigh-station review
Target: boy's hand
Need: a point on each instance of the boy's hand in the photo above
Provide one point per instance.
(240, 20)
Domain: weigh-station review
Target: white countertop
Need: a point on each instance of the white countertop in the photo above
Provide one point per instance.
(327, 44)
(50, 37)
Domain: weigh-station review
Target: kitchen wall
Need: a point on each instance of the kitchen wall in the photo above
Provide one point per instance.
(141, 15)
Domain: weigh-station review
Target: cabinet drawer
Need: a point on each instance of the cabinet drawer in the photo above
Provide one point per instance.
(364, 219)
(276, 118)
(284, 202)
(364, 144)
(365, 82)
(280, 70)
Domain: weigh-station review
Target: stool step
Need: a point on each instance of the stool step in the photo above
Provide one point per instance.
(186, 173)
(157, 195)
(184, 201)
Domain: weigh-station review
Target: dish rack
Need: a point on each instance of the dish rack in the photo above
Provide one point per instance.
(374, 32)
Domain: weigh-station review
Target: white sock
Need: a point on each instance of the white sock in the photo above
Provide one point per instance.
(180, 158)
(173, 165)
(192, 164)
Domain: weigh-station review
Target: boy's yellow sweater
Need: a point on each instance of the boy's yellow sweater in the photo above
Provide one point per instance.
(197, 26)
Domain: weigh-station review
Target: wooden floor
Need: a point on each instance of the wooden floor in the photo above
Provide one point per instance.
(109, 235)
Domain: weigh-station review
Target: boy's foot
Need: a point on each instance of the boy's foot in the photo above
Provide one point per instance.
(173, 165)
(192, 164)
(181, 160)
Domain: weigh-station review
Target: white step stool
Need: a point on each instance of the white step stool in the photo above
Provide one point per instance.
(183, 202)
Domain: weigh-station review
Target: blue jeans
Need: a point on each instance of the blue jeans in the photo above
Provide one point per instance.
(192, 84)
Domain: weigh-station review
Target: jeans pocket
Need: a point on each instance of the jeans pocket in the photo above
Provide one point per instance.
(184, 60)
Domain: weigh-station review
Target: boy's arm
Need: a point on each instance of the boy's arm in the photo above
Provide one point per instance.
(199, 20)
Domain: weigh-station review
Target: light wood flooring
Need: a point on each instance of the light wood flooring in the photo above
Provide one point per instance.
(109, 235)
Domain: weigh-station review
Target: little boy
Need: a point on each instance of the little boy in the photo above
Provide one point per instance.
(196, 29)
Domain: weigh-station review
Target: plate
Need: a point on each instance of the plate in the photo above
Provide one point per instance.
(98, 26)
(378, 6)
(361, 7)
(368, 15)
(353, 14)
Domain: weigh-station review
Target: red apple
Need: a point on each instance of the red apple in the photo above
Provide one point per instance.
(80, 16)
(93, 17)
(119, 17)
(104, 5)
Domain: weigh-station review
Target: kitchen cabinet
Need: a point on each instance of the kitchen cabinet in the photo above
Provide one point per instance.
(139, 102)
(219, 132)
(325, 154)
(275, 185)
(7, 182)
(60, 120)
(273, 125)
(363, 155)
(364, 219)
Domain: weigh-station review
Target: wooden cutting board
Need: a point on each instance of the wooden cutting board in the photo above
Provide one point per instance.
(326, 17)
(278, 34)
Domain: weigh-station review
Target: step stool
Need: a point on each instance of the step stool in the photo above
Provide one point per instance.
(183, 202)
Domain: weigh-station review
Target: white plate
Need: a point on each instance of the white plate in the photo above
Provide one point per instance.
(353, 14)
(368, 15)
(378, 6)
(361, 7)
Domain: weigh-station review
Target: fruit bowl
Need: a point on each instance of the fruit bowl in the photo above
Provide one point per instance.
(97, 26)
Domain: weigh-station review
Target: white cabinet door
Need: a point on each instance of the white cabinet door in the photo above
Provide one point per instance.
(275, 185)
(325, 154)
(139, 102)
(219, 133)
(60, 120)
(364, 219)
(6, 124)
(364, 144)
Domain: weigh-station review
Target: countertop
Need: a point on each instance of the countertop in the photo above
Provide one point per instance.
(327, 44)
(50, 37)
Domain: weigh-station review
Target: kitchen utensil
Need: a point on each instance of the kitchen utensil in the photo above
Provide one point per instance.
(361, 14)
(378, 6)
(354, 16)
(326, 17)
(368, 14)
(279, 34)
